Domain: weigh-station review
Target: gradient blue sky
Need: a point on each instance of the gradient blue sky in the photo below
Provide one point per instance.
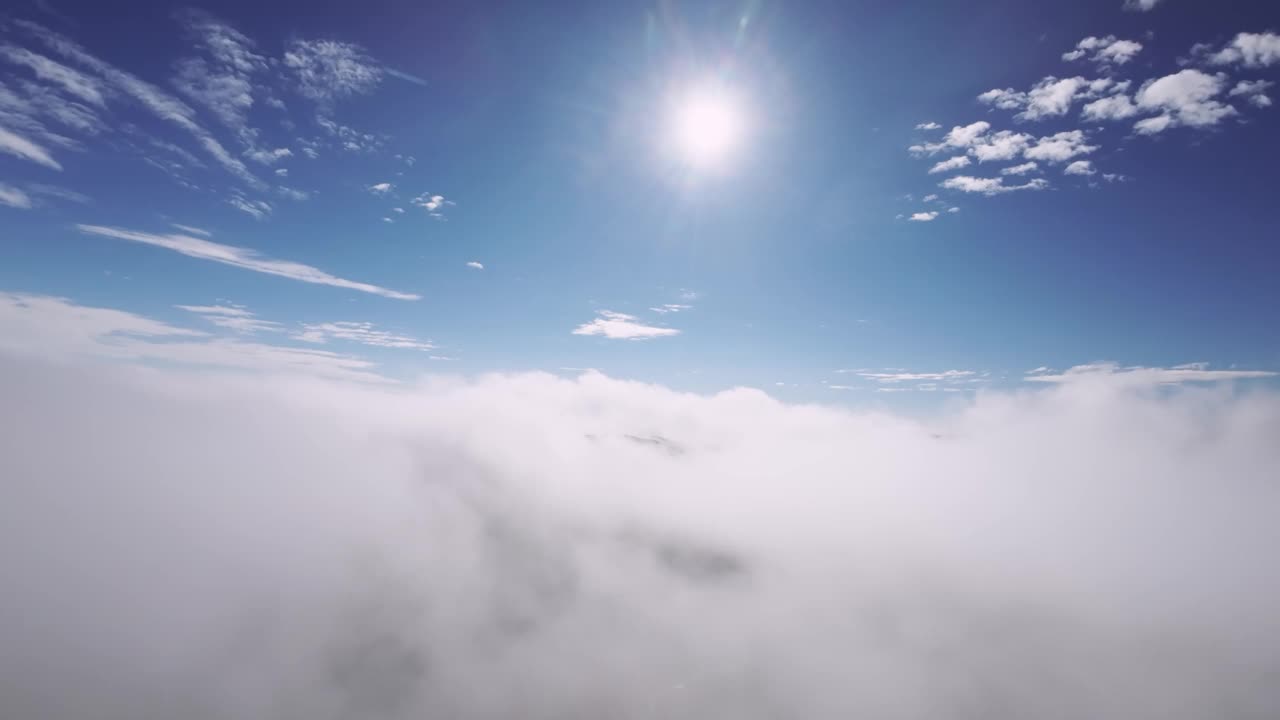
(532, 139)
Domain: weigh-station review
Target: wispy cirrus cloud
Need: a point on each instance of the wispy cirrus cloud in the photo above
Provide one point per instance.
(620, 326)
(243, 258)
(1137, 374)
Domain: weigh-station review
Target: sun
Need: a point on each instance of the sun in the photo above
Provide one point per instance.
(707, 125)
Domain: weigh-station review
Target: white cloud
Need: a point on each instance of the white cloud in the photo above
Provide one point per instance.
(954, 163)
(898, 376)
(268, 157)
(1022, 169)
(953, 209)
(1140, 5)
(990, 186)
(13, 197)
(293, 194)
(1254, 91)
(1060, 147)
(928, 126)
(960, 136)
(193, 230)
(1079, 167)
(1004, 98)
(243, 258)
(71, 81)
(924, 216)
(397, 210)
(1253, 50)
(1052, 97)
(527, 546)
(1112, 107)
(232, 317)
(221, 80)
(156, 101)
(282, 172)
(381, 188)
(1000, 146)
(433, 204)
(1136, 375)
(620, 326)
(327, 70)
(259, 209)
(671, 308)
(1183, 98)
(474, 265)
(1105, 51)
(932, 197)
(19, 146)
(365, 333)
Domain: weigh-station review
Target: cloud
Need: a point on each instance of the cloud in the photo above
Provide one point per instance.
(13, 197)
(671, 308)
(53, 328)
(364, 333)
(522, 545)
(928, 126)
(954, 163)
(898, 376)
(243, 258)
(475, 265)
(1252, 50)
(72, 82)
(1022, 169)
(259, 209)
(268, 157)
(1060, 147)
(990, 186)
(156, 101)
(1112, 107)
(960, 136)
(1105, 51)
(1140, 5)
(232, 317)
(924, 216)
(1113, 372)
(1183, 98)
(328, 70)
(19, 146)
(1254, 91)
(620, 326)
(222, 80)
(193, 230)
(433, 204)
(381, 188)
(953, 209)
(1000, 146)
(1079, 167)
(1052, 97)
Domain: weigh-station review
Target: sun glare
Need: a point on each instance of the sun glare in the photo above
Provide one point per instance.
(707, 126)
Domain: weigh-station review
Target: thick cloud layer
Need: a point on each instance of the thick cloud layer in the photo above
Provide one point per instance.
(201, 546)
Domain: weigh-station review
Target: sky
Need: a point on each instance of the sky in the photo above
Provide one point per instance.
(820, 200)
(630, 360)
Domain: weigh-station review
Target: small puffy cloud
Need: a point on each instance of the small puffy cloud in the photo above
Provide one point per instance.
(328, 70)
(954, 163)
(1060, 147)
(960, 136)
(1183, 98)
(929, 216)
(1004, 98)
(1105, 51)
(1052, 97)
(1253, 91)
(1000, 146)
(433, 204)
(282, 172)
(929, 198)
(620, 326)
(474, 265)
(268, 157)
(1140, 5)
(1112, 107)
(1022, 169)
(953, 209)
(1253, 50)
(381, 188)
(1079, 167)
(990, 186)
(13, 197)
(928, 126)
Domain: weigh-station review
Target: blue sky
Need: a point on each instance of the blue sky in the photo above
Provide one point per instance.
(473, 187)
